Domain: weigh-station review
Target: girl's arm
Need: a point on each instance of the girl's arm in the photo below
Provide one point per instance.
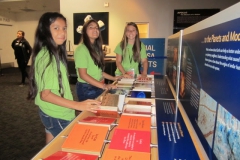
(145, 67)
(108, 76)
(120, 67)
(85, 76)
(89, 105)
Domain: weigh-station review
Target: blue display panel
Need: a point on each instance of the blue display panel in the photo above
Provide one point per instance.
(209, 87)
(155, 54)
(174, 141)
(162, 89)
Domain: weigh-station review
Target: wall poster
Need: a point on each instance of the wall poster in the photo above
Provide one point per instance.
(184, 18)
(80, 18)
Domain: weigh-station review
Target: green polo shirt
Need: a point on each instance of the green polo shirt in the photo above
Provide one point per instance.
(83, 59)
(47, 78)
(128, 61)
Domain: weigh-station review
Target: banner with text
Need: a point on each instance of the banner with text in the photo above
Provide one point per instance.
(5, 21)
(209, 87)
(155, 53)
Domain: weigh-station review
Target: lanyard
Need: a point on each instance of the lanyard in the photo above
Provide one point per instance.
(130, 56)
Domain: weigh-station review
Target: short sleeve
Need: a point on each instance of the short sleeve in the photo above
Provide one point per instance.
(81, 56)
(118, 50)
(46, 73)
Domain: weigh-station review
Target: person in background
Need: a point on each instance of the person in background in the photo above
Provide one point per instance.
(49, 85)
(22, 51)
(131, 52)
(89, 63)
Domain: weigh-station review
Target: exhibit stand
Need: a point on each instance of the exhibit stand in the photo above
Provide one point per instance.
(56, 144)
(197, 101)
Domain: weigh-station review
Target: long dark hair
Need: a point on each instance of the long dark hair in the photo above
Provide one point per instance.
(43, 38)
(95, 49)
(137, 43)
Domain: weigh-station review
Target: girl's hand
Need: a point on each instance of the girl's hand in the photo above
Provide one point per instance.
(117, 78)
(127, 76)
(89, 105)
(109, 86)
(143, 77)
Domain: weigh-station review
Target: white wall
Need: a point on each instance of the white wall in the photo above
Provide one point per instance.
(6, 36)
(21, 21)
(159, 14)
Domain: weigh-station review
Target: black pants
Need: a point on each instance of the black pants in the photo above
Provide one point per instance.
(22, 65)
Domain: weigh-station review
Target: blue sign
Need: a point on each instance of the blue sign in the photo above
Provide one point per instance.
(174, 140)
(209, 87)
(155, 52)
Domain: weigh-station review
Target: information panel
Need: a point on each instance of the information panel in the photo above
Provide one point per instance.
(210, 76)
(174, 141)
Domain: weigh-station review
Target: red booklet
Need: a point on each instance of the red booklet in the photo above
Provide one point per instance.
(98, 120)
(135, 123)
(131, 140)
(61, 155)
(106, 113)
(86, 139)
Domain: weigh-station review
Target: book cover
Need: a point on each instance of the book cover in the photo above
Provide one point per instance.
(142, 87)
(126, 81)
(113, 154)
(141, 123)
(144, 80)
(61, 155)
(86, 139)
(139, 76)
(110, 100)
(131, 140)
(124, 85)
(120, 91)
(107, 113)
(93, 120)
(137, 102)
(137, 109)
(140, 94)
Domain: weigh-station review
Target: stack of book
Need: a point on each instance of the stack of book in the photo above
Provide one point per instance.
(131, 86)
(88, 135)
(140, 107)
(123, 128)
(131, 139)
(149, 87)
(144, 84)
(135, 106)
(86, 139)
(111, 105)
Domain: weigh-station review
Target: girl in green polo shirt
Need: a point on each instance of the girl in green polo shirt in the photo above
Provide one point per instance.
(130, 53)
(89, 63)
(49, 85)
